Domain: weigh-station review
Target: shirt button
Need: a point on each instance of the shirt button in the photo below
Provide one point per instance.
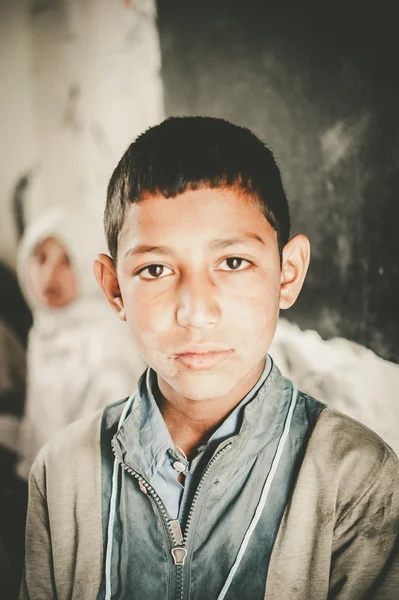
(179, 466)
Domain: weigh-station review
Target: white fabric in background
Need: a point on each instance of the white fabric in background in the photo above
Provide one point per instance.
(344, 375)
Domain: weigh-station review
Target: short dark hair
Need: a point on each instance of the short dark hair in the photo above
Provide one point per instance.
(187, 153)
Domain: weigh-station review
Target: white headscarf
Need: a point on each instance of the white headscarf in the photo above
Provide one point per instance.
(80, 357)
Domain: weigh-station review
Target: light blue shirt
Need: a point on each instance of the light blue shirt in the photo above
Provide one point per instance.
(158, 453)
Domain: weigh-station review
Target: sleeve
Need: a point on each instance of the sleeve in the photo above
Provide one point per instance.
(365, 558)
(38, 576)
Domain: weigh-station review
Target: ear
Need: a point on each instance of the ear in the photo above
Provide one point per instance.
(295, 262)
(105, 272)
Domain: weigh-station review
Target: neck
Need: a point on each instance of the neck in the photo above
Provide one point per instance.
(191, 422)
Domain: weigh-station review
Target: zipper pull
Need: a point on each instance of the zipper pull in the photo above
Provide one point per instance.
(179, 555)
(178, 552)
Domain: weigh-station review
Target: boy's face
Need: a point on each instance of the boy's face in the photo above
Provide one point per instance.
(52, 279)
(199, 281)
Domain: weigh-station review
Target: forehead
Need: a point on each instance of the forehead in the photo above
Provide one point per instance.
(50, 244)
(197, 216)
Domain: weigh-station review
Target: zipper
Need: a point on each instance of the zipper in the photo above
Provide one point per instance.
(172, 527)
(179, 574)
(218, 454)
(179, 553)
(177, 540)
(144, 484)
(181, 549)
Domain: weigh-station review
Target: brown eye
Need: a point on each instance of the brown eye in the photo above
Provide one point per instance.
(234, 263)
(41, 258)
(154, 272)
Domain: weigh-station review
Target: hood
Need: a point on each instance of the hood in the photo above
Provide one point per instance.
(82, 240)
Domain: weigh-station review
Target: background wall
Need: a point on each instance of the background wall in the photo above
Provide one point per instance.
(79, 80)
(318, 82)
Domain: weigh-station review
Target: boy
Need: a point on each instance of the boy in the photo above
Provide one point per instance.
(219, 479)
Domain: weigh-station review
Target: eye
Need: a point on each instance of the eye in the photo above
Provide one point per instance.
(154, 272)
(41, 258)
(234, 263)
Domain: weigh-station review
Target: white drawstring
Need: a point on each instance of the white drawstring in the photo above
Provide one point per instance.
(263, 498)
(112, 509)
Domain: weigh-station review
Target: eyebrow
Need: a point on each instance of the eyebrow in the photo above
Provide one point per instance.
(145, 249)
(244, 238)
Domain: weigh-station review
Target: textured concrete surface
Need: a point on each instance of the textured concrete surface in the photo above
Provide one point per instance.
(318, 83)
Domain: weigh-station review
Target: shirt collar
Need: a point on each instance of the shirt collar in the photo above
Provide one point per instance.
(155, 439)
(231, 425)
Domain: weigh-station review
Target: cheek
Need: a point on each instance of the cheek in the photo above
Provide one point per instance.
(34, 279)
(153, 333)
(253, 313)
(255, 300)
(73, 286)
(149, 315)
(69, 282)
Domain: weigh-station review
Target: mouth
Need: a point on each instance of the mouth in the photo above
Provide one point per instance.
(51, 296)
(202, 358)
(51, 292)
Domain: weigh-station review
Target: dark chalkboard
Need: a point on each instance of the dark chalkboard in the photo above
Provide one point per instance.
(319, 83)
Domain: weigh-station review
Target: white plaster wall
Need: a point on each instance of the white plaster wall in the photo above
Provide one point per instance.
(17, 152)
(82, 79)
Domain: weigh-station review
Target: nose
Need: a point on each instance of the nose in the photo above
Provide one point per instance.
(51, 272)
(197, 305)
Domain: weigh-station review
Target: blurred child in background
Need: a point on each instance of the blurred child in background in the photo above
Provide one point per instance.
(79, 358)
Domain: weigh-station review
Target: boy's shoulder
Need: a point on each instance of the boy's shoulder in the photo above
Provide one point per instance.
(341, 435)
(77, 448)
(347, 460)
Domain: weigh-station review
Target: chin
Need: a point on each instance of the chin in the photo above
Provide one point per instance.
(201, 386)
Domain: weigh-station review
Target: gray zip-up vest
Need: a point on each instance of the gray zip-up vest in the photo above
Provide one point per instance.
(151, 558)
